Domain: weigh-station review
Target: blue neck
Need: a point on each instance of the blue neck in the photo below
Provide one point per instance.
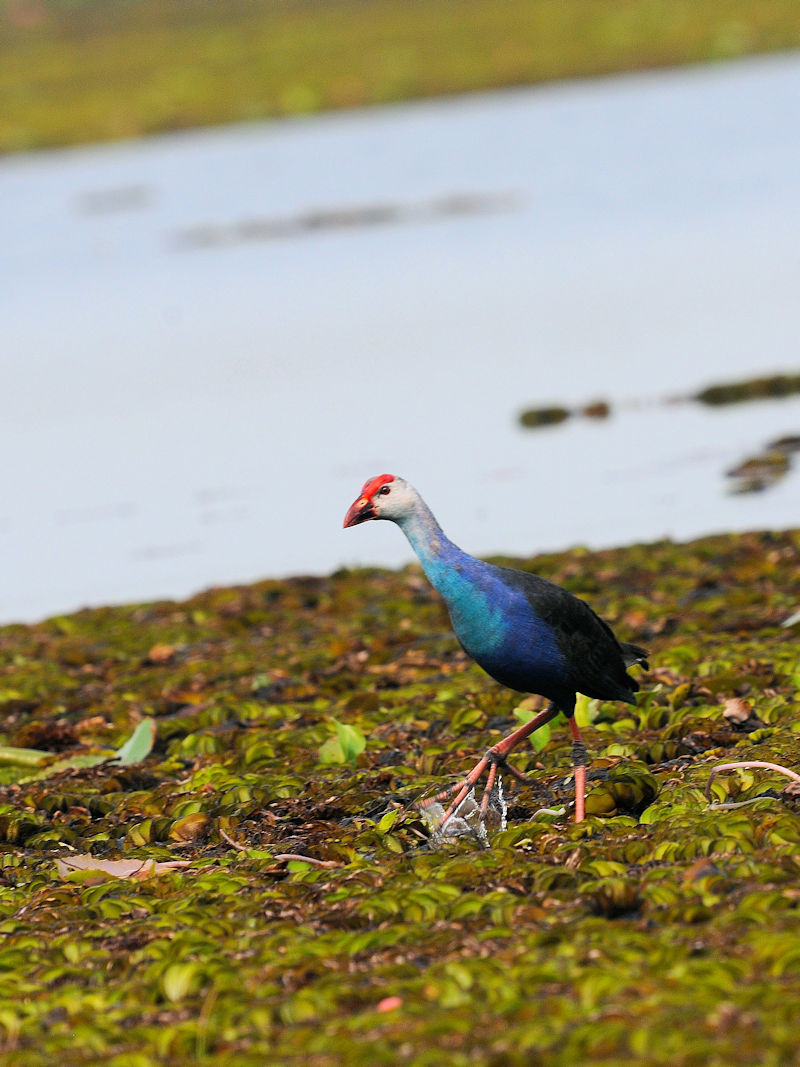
(435, 551)
(466, 585)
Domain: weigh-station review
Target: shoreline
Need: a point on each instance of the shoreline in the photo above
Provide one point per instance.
(91, 73)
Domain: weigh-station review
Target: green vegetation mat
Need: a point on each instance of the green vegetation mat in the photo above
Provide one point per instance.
(660, 931)
(73, 71)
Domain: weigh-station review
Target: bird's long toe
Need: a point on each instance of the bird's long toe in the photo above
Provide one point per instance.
(458, 791)
(492, 759)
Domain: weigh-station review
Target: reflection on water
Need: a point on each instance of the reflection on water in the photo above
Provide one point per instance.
(120, 198)
(766, 468)
(648, 247)
(320, 220)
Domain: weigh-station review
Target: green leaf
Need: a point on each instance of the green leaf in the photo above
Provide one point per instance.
(179, 980)
(585, 710)
(331, 751)
(540, 737)
(651, 815)
(351, 739)
(388, 821)
(345, 747)
(139, 744)
(134, 750)
(23, 757)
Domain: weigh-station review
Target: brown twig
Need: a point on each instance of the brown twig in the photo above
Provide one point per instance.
(283, 857)
(286, 857)
(231, 842)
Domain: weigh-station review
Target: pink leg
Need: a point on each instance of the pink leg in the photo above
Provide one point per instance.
(579, 767)
(496, 756)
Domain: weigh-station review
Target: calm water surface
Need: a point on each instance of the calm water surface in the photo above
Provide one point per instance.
(212, 339)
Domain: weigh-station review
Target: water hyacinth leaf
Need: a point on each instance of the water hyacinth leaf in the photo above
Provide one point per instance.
(345, 747)
(331, 751)
(351, 739)
(683, 925)
(190, 827)
(139, 745)
(654, 813)
(388, 821)
(600, 801)
(585, 710)
(618, 749)
(134, 750)
(299, 866)
(80, 761)
(23, 757)
(179, 980)
(539, 738)
(141, 833)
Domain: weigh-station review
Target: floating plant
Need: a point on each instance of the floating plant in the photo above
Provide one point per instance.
(233, 897)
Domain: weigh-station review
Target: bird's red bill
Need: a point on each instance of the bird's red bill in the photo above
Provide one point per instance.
(363, 509)
(359, 511)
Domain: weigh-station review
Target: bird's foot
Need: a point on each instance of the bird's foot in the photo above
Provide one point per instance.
(494, 758)
(467, 820)
(461, 790)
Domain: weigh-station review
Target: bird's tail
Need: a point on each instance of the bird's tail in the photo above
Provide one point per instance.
(634, 654)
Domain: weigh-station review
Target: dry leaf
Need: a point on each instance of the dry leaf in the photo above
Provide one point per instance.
(137, 869)
(161, 654)
(737, 710)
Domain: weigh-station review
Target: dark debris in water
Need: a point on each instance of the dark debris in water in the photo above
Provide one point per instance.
(766, 468)
(264, 889)
(767, 387)
(533, 418)
(752, 475)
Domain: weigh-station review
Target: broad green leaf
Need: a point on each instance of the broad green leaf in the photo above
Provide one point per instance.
(23, 757)
(135, 749)
(345, 747)
(179, 980)
(331, 751)
(524, 714)
(139, 744)
(351, 739)
(585, 710)
(540, 737)
(388, 821)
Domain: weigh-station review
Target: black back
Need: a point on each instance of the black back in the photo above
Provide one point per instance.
(595, 659)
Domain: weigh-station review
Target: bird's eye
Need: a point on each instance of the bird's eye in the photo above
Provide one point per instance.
(384, 490)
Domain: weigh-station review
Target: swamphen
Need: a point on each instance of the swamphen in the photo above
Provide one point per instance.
(526, 632)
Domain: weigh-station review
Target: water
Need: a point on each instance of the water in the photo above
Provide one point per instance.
(210, 344)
